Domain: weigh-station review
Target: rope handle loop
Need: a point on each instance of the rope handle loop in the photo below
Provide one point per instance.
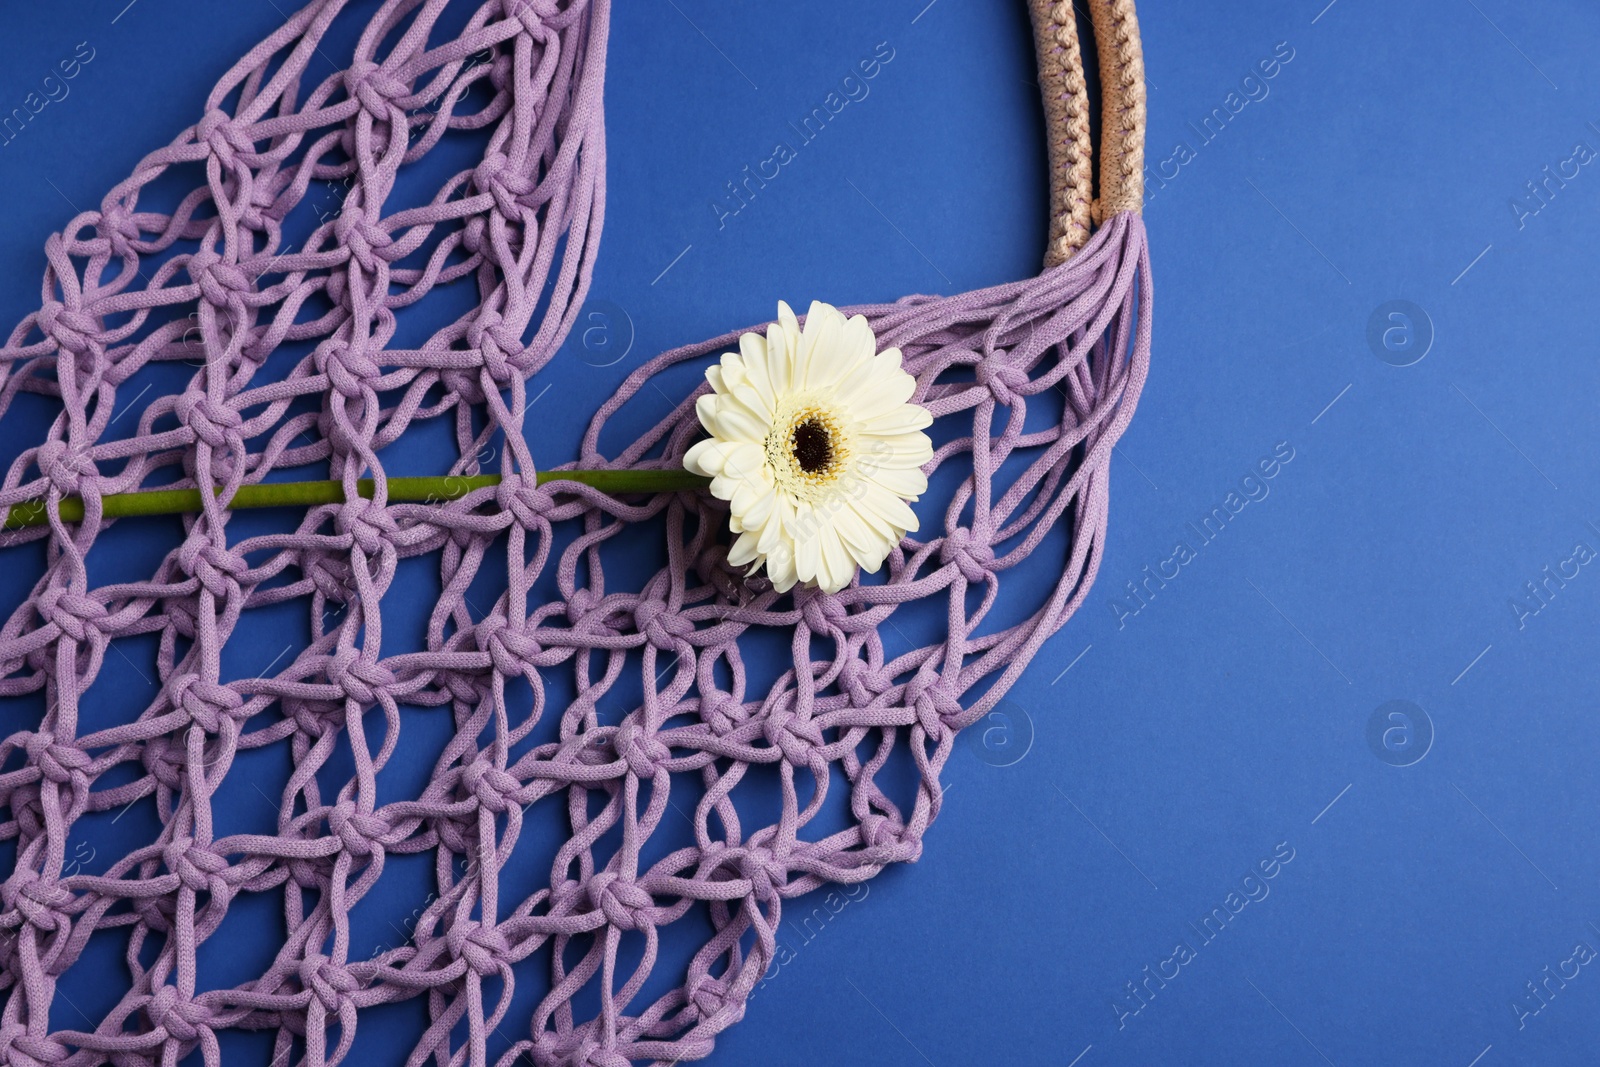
(1073, 207)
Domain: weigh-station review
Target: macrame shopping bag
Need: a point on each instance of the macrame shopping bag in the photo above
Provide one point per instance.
(620, 717)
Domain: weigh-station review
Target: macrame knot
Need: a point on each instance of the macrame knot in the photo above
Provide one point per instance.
(41, 904)
(363, 833)
(62, 764)
(367, 523)
(864, 682)
(331, 983)
(824, 613)
(484, 948)
(513, 650)
(363, 237)
(217, 569)
(71, 329)
(65, 466)
(498, 347)
(545, 1052)
(225, 138)
(496, 177)
(495, 790)
(315, 717)
(197, 867)
(180, 1017)
(1005, 380)
(460, 686)
(473, 235)
(795, 737)
(119, 228)
(222, 284)
(376, 90)
(625, 903)
(314, 874)
(217, 424)
(330, 575)
(527, 501)
(349, 368)
(207, 704)
(882, 834)
(937, 711)
(260, 208)
(660, 625)
(723, 712)
(26, 804)
(18, 1048)
(180, 613)
(643, 752)
(972, 557)
(165, 759)
(766, 874)
(363, 680)
(76, 615)
(581, 605)
(709, 998)
(464, 383)
(160, 912)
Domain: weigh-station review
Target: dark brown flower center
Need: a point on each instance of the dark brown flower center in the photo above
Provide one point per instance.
(811, 444)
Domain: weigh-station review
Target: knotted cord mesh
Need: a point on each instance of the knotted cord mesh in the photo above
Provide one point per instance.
(625, 711)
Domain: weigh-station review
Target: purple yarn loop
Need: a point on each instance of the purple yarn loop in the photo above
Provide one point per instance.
(215, 285)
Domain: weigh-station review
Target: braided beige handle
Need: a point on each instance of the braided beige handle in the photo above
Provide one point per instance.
(1066, 110)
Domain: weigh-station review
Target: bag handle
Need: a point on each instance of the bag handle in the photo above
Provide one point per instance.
(1073, 207)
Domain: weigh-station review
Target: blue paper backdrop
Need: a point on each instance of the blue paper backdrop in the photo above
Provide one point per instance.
(1358, 290)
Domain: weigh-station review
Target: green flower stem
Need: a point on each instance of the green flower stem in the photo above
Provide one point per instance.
(307, 494)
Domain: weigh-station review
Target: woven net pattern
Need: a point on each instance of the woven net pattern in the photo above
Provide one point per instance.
(620, 712)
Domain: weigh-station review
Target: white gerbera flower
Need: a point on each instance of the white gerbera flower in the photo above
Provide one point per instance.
(815, 447)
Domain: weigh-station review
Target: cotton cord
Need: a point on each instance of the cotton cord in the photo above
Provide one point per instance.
(621, 704)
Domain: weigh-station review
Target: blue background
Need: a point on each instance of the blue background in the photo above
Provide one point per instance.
(1149, 760)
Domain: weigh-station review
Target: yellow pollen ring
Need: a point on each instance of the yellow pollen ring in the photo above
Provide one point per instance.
(813, 446)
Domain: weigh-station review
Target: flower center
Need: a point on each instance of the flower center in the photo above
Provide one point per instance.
(811, 444)
(808, 448)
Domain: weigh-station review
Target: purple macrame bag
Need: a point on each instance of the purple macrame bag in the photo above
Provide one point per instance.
(534, 747)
